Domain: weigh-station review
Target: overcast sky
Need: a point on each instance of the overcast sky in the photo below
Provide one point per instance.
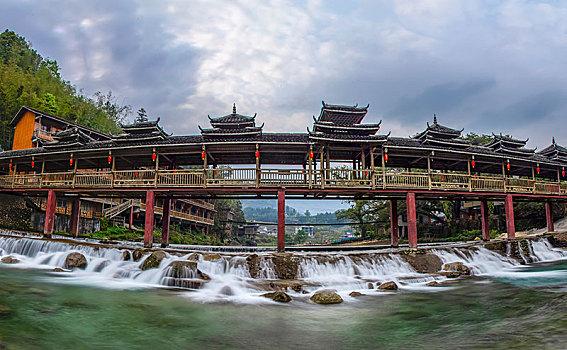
(487, 66)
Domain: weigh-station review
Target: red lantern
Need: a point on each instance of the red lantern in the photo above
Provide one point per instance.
(11, 165)
(33, 163)
(386, 157)
(537, 169)
(473, 163)
(563, 171)
(203, 155)
(508, 166)
(154, 155)
(311, 155)
(109, 158)
(71, 161)
(257, 154)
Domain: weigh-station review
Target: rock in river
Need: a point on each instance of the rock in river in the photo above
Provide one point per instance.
(326, 297)
(355, 294)
(286, 266)
(455, 269)
(422, 261)
(75, 260)
(280, 297)
(9, 260)
(390, 285)
(153, 260)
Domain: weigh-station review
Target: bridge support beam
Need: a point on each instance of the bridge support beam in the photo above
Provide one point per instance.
(165, 219)
(131, 218)
(394, 228)
(75, 217)
(281, 220)
(509, 209)
(485, 220)
(50, 207)
(549, 217)
(412, 219)
(149, 223)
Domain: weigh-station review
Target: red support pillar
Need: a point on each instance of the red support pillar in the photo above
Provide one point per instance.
(412, 219)
(50, 207)
(131, 219)
(394, 228)
(509, 208)
(149, 223)
(75, 217)
(281, 220)
(165, 218)
(549, 217)
(484, 220)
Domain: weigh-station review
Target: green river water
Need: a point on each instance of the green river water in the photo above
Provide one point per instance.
(37, 312)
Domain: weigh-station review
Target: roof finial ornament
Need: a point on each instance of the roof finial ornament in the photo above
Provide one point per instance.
(553, 140)
(234, 108)
(434, 118)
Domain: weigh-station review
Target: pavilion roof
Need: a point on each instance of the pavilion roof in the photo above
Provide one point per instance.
(233, 120)
(69, 137)
(507, 140)
(554, 150)
(233, 125)
(342, 114)
(438, 131)
(145, 130)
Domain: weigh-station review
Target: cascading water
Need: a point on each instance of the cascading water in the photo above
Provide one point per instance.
(229, 277)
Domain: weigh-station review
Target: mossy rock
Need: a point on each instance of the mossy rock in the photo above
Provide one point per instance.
(286, 266)
(422, 261)
(279, 296)
(75, 261)
(326, 297)
(153, 260)
(389, 285)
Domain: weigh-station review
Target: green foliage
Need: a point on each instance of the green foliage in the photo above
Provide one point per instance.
(28, 79)
(179, 236)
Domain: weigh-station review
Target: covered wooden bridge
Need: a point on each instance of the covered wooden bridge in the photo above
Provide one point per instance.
(338, 157)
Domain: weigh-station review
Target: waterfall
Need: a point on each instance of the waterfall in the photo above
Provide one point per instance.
(228, 278)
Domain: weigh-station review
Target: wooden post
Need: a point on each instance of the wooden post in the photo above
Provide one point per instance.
(75, 217)
(257, 166)
(149, 222)
(412, 219)
(429, 170)
(509, 209)
(485, 219)
(165, 220)
(131, 218)
(322, 170)
(281, 220)
(50, 207)
(328, 152)
(383, 170)
(549, 216)
(372, 167)
(394, 228)
(310, 166)
(470, 175)
(74, 172)
(156, 171)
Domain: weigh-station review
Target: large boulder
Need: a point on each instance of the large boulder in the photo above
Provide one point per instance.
(326, 297)
(558, 239)
(457, 267)
(212, 257)
(126, 255)
(422, 261)
(153, 260)
(186, 269)
(279, 296)
(75, 261)
(389, 285)
(253, 263)
(9, 260)
(286, 266)
(137, 254)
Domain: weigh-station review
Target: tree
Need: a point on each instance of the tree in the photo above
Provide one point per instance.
(48, 103)
(142, 116)
(301, 237)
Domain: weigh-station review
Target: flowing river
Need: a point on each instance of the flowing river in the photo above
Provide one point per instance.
(510, 301)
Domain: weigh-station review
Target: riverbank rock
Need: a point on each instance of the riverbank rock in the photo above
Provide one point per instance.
(457, 267)
(9, 260)
(558, 240)
(286, 266)
(280, 297)
(126, 255)
(355, 294)
(370, 285)
(253, 263)
(389, 285)
(153, 260)
(137, 254)
(193, 257)
(75, 261)
(58, 269)
(326, 297)
(422, 261)
(212, 257)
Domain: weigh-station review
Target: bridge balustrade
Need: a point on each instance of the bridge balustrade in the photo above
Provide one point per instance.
(328, 178)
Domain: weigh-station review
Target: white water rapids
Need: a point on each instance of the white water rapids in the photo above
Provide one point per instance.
(230, 279)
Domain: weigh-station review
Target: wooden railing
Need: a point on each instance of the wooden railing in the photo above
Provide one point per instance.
(253, 178)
